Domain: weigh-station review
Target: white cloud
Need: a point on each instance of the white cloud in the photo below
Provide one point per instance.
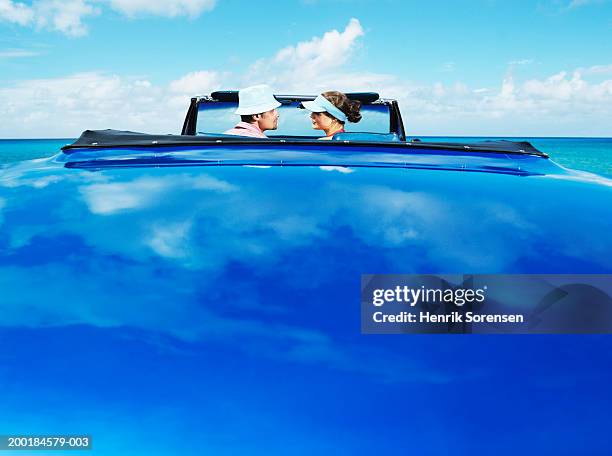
(105, 199)
(561, 104)
(340, 169)
(597, 69)
(168, 8)
(66, 16)
(110, 198)
(197, 83)
(15, 12)
(68, 105)
(579, 3)
(65, 105)
(170, 240)
(329, 51)
(309, 63)
(59, 15)
(16, 53)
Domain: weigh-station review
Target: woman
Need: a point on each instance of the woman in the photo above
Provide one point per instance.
(330, 111)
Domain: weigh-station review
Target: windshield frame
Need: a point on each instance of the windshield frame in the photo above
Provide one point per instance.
(396, 124)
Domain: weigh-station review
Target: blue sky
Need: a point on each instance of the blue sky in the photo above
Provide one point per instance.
(458, 68)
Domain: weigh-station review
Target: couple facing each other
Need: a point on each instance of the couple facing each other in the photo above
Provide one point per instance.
(257, 109)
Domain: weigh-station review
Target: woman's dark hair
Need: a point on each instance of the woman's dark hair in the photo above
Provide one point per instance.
(345, 104)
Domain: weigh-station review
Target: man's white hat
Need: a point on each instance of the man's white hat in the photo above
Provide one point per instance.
(255, 100)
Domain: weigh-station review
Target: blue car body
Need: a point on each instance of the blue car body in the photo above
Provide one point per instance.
(204, 299)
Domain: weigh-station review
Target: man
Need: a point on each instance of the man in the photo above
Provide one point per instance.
(258, 113)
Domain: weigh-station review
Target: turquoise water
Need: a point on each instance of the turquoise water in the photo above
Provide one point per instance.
(13, 150)
(587, 154)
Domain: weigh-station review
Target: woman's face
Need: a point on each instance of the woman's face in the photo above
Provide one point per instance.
(320, 120)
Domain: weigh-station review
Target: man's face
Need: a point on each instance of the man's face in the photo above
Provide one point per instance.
(268, 120)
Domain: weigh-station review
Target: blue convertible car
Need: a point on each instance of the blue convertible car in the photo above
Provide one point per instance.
(199, 293)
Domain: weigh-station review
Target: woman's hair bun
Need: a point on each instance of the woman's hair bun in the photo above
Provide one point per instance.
(353, 114)
(349, 107)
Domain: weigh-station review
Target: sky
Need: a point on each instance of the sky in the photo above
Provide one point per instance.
(464, 68)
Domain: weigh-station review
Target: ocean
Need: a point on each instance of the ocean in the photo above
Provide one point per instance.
(587, 154)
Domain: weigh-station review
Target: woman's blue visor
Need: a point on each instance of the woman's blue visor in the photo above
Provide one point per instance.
(322, 104)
